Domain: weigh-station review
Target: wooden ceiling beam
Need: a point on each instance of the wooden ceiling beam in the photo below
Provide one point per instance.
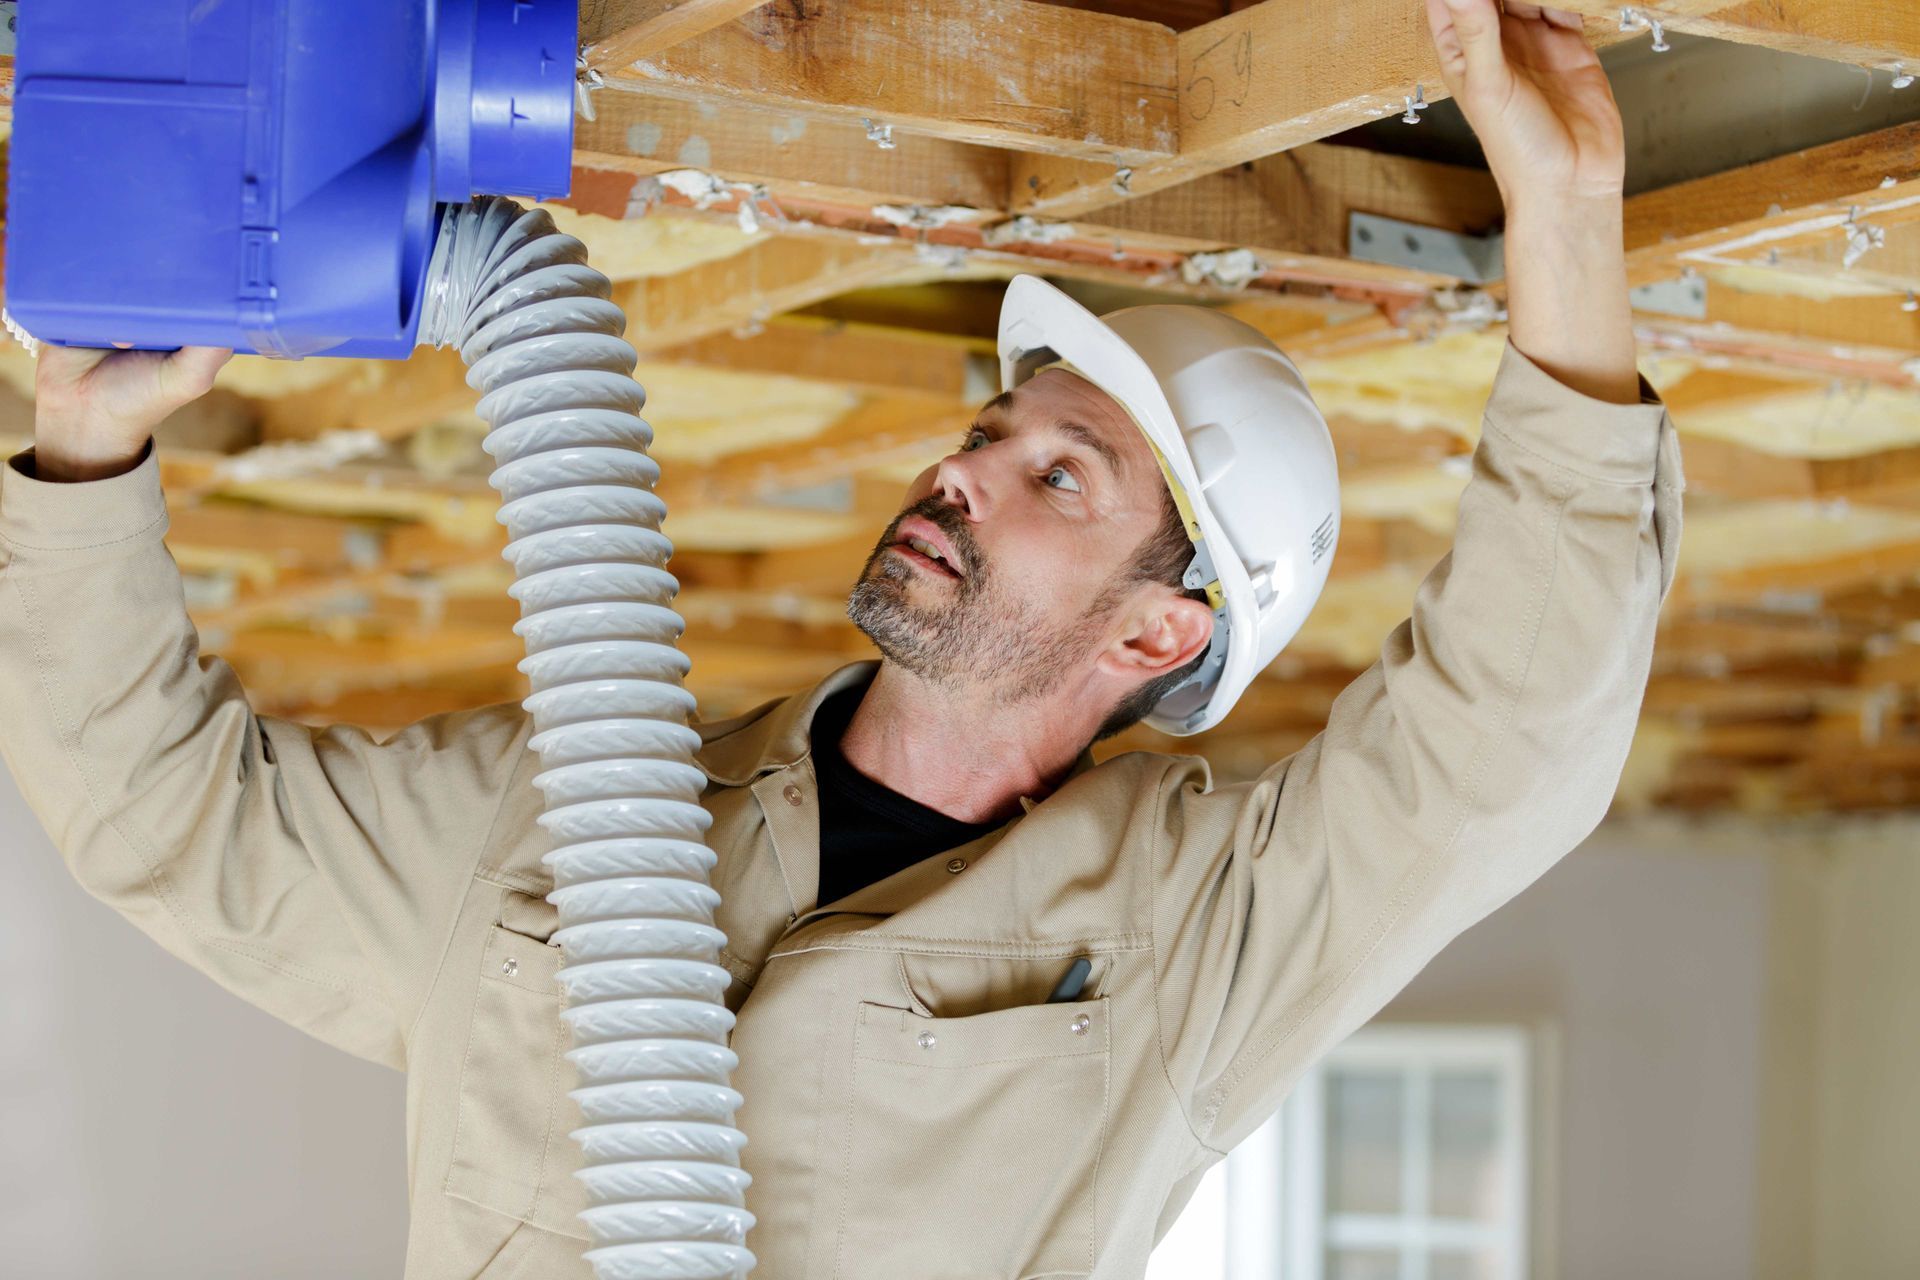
(1843, 785)
(1867, 34)
(617, 32)
(1094, 109)
(749, 288)
(801, 160)
(1750, 638)
(379, 555)
(1893, 562)
(1765, 351)
(1263, 80)
(883, 433)
(1301, 200)
(1795, 258)
(1253, 83)
(286, 537)
(868, 357)
(1869, 247)
(391, 398)
(1724, 469)
(1290, 214)
(1292, 210)
(1719, 698)
(1741, 214)
(1293, 206)
(1005, 73)
(1869, 321)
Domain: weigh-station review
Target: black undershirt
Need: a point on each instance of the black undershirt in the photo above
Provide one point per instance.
(867, 831)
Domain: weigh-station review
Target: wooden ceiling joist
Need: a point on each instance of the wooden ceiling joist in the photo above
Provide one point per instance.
(391, 399)
(616, 32)
(750, 288)
(1747, 211)
(1868, 34)
(1295, 206)
(867, 357)
(799, 159)
(1009, 73)
(1270, 77)
(883, 433)
(1875, 320)
(1289, 212)
(1809, 577)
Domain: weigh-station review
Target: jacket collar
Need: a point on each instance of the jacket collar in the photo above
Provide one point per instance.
(778, 734)
(773, 736)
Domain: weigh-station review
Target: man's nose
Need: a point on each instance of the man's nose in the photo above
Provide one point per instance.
(962, 481)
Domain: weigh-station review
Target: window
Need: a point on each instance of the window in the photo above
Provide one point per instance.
(1403, 1155)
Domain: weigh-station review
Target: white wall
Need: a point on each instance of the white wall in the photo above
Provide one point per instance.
(155, 1125)
(1735, 1017)
(1648, 969)
(1864, 1122)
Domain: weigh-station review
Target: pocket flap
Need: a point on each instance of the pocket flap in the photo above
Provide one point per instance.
(511, 1152)
(520, 961)
(1026, 1032)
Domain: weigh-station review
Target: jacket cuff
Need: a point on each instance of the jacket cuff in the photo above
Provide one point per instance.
(1618, 443)
(42, 515)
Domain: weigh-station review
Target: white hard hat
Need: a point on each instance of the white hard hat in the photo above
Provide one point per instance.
(1247, 455)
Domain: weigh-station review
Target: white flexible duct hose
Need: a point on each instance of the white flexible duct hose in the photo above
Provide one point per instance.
(644, 990)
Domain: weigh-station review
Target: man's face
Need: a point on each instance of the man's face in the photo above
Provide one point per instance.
(1007, 564)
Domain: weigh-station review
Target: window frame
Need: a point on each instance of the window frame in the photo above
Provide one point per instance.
(1417, 1051)
(1230, 1229)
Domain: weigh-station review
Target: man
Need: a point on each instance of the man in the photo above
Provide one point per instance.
(914, 856)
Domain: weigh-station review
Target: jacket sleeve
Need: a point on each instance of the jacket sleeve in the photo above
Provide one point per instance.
(315, 873)
(1483, 745)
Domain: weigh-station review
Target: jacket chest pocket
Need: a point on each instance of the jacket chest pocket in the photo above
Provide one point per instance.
(511, 1152)
(973, 1143)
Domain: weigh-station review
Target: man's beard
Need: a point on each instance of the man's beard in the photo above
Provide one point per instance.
(980, 635)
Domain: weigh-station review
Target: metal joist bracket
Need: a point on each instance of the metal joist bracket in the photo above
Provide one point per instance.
(1393, 243)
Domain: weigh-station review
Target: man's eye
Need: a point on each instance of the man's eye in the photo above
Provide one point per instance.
(973, 440)
(1061, 478)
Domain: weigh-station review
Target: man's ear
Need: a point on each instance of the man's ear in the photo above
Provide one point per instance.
(1162, 633)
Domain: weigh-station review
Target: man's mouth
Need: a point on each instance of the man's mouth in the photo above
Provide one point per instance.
(919, 542)
(925, 554)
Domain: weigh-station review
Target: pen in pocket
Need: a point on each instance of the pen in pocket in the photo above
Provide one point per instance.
(1068, 988)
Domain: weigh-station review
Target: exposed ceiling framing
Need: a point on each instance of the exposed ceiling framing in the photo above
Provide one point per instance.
(808, 206)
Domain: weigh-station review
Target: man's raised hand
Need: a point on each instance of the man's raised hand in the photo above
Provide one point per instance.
(1537, 99)
(94, 408)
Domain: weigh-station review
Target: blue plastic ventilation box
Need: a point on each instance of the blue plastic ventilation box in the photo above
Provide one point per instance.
(266, 174)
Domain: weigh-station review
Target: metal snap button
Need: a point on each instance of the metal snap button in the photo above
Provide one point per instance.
(509, 966)
(1080, 1024)
(956, 865)
(924, 1039)
(792, 793)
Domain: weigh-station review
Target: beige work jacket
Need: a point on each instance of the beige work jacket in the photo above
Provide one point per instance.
(913, 1106)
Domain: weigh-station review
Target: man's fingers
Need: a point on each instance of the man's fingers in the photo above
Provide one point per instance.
(188, 372)
(1477, 24)
(1555, 19)
(1446, 43)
